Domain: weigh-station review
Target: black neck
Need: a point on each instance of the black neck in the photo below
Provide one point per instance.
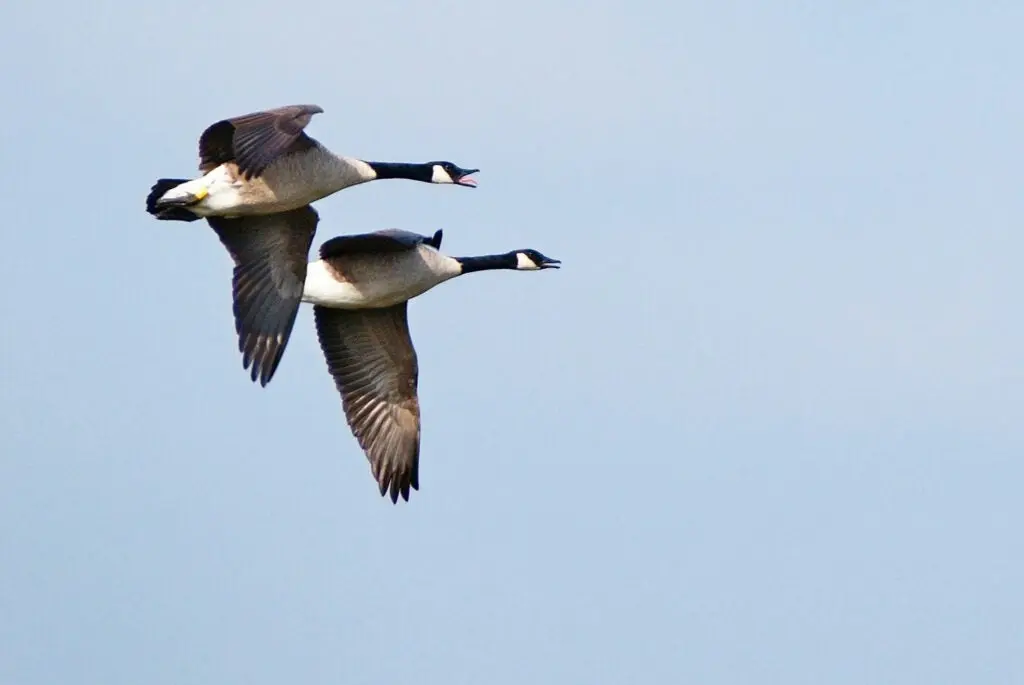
(413, 172)
(492, 261)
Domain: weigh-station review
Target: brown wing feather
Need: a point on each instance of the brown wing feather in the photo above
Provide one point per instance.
(254, 141)
(386, 240)
(370, 355)
(270, 254)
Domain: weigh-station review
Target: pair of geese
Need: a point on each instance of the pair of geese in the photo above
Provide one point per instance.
(260, 174)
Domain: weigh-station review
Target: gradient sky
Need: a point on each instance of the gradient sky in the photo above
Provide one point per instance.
(764, 426)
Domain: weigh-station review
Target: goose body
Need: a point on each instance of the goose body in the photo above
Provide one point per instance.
(359, 288)
(371, 280)
(292, 181)
(265, 163)
(363, 330)
(260, 174)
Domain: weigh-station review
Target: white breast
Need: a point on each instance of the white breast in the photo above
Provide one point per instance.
(396, 277)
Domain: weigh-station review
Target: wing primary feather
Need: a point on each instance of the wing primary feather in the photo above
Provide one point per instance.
(369, 354)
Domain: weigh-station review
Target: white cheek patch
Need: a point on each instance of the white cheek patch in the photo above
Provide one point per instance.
(524, 263)
(439, 175)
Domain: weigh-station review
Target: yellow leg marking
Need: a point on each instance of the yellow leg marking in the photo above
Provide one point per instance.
(202, 192)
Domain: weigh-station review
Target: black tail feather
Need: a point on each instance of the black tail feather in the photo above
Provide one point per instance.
(167, 213)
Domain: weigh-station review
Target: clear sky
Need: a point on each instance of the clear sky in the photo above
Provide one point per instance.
(764, 426)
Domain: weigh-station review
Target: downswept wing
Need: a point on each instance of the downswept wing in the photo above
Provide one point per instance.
(254, 141)
(370, 355)
(270, 254)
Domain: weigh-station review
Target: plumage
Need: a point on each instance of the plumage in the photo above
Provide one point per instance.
(386, 240)
(371, 357)
(265, 162)
(359, 289)
(261, 172)
(254, 141)
(270, 254)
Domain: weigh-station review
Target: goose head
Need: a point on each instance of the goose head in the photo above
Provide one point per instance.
(446, 172)
(531, 260)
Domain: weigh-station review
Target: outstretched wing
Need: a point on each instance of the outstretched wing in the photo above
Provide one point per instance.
(254, 141)
(370, 355)
(270, 254)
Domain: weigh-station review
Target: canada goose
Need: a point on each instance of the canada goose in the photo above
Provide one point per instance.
(263, 163)
(359, 288)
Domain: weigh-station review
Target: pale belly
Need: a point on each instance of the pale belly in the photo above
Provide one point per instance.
(399, 284)
(273, 192)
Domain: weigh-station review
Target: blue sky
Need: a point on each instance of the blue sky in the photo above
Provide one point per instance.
(763, 426)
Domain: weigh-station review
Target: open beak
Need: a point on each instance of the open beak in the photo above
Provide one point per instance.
(549, 263)
(464, 180)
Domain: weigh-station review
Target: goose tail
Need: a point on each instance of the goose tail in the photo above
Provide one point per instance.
(174, 208)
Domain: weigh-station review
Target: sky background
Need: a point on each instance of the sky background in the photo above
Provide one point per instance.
(764, 426)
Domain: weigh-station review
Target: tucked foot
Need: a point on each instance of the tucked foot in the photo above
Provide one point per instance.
(183, 199)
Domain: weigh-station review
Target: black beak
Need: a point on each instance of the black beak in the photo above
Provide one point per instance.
(462, 180)
(548, 263)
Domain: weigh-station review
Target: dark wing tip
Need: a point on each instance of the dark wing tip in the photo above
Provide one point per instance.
(264, 319)
(395, 477)
(261, 355)
(399, 489)
(393, 483)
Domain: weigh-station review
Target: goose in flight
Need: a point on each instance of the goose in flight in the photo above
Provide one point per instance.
(264, 163)
(359, 288)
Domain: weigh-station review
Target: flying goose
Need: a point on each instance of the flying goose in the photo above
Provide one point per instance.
(359, 289)
(263, 163)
